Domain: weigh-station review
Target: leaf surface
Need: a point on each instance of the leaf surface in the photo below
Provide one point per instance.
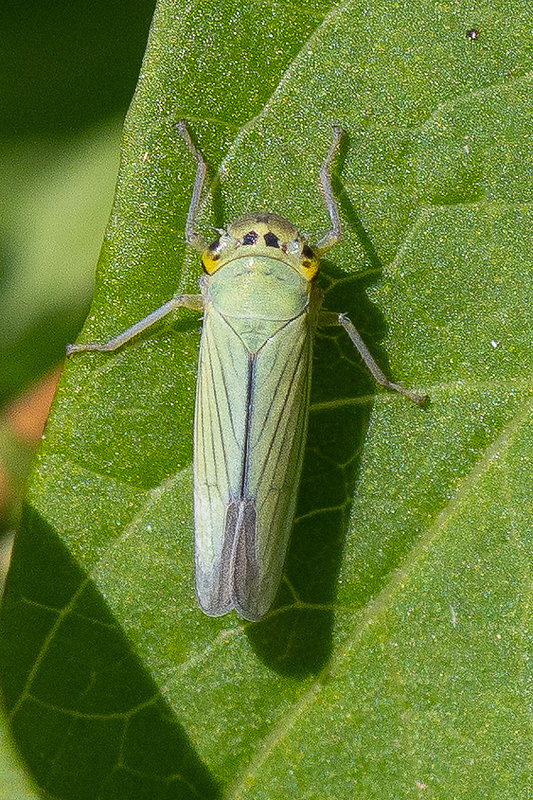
(397, 657)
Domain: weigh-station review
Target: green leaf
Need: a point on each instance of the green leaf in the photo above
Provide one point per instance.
(398, 655)
(54, 203)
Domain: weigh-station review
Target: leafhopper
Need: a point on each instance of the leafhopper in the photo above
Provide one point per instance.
(261, 306)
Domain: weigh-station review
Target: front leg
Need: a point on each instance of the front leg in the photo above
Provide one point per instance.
(192, 301)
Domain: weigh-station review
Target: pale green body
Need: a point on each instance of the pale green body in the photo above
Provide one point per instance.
(261, 306)
(251, 416)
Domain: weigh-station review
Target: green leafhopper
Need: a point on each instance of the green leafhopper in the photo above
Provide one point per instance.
(261, 306)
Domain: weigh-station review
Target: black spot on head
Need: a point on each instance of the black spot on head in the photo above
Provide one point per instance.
(307, 252)
(214, 245)
(271, 240)
(250, 237)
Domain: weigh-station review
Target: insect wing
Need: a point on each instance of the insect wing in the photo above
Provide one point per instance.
(251, 423)
(278, 430)
(219, 447)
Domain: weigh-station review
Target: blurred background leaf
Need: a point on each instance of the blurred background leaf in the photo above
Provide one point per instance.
(69, 74)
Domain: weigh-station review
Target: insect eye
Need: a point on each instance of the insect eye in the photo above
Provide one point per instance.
(293, 247)
(214, 246)
(271, 240)
(250, 238)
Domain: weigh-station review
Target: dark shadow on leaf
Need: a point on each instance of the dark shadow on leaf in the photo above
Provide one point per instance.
(87, 717)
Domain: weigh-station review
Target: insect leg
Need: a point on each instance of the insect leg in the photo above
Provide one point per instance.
(330, 318)
(334, 234)
(191, 236)
(192, 301)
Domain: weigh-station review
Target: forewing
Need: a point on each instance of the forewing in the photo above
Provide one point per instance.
(277, 428)
(250, 431)
(219, 448)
